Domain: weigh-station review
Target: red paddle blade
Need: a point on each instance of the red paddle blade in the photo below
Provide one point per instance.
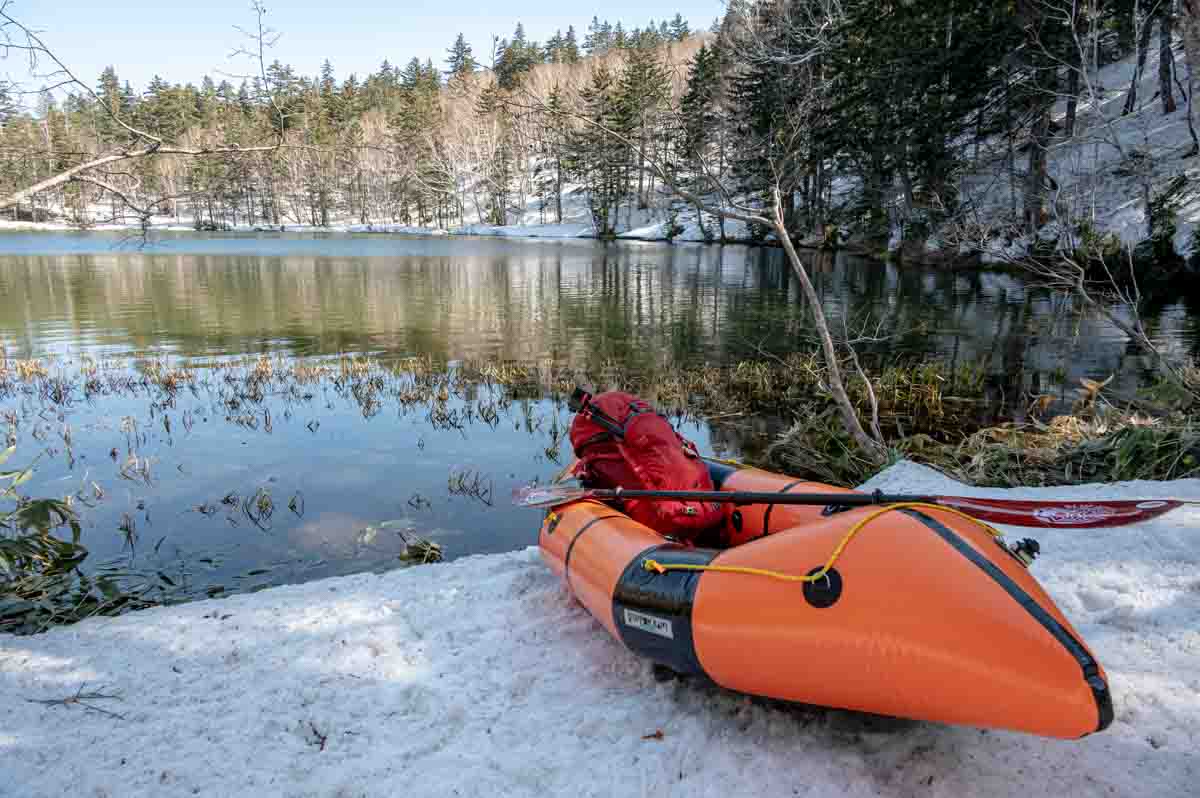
(1063, 514)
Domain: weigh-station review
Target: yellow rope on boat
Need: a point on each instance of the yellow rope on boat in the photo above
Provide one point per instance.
(656, 566)
(733, 463)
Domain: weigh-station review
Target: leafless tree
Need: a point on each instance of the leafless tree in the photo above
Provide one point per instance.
(773, 218)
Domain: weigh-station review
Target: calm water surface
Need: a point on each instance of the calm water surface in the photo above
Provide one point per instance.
(359, 475)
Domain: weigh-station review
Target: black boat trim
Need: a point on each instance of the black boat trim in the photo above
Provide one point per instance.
(653, 611)
(1089, 666)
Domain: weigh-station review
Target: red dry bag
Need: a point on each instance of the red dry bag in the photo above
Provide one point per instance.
(621, 442)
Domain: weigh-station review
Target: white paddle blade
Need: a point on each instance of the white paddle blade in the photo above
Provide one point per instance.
(547, 496)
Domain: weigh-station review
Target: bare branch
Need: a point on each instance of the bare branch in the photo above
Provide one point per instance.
(264, 38)
(18, 36)
(42, 90)
(96, 163)
(873, 448)
(143, 213)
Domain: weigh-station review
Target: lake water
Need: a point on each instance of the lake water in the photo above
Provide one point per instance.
(359, 471)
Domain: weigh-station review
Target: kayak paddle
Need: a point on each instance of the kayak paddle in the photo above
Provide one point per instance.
(1014, 512)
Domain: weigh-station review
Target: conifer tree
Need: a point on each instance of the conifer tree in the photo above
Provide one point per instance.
(555, 152)
(570, 47)
(517, 57)
(644, 93)
(109, 90)
(593, 44)
(601, 162)
(330, 99)
(704, 124)
(459, 60)
(8, 108)
(553, 49)
(679, 29)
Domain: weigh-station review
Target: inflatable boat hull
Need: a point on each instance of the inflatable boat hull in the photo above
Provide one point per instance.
(924, 616)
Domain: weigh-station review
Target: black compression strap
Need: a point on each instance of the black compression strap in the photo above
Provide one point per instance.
(766, 530)
(599, 437)
(574, 540)
(608, 422)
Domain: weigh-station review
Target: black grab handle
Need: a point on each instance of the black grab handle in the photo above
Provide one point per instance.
(579, 400)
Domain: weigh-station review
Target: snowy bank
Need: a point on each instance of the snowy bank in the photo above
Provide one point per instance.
(528, 231)
(482, 677)
(691, 232)
(169, 225)
(640, 224)
(657, 231)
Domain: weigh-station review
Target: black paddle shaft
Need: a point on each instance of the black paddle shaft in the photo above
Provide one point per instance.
(752, 497)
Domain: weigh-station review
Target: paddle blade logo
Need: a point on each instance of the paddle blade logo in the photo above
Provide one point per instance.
(1077, 514)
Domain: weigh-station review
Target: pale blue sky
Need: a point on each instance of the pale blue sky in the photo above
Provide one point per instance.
(183, 41)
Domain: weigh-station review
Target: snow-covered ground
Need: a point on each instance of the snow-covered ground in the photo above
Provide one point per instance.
(483, 677)
(169, 224)
(568, 230)
(1104, 171)
(651, 231)
(644, 224)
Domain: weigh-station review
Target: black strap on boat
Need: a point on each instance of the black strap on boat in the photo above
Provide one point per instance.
(766, 530)
(574, 540)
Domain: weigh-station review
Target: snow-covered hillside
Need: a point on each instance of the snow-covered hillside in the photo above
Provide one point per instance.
(1103, 175)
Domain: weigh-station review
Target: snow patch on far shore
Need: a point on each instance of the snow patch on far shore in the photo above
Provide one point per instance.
(527, 231)
(159, 225)
(483, 677)
(645, 224)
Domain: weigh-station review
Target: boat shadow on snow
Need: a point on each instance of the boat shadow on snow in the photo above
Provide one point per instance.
(806, 716)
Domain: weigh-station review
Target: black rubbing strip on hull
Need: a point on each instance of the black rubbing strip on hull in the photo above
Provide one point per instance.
(1091, 669)
(653, 611)
(574, 540)
(719, 472)
(767, 515)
